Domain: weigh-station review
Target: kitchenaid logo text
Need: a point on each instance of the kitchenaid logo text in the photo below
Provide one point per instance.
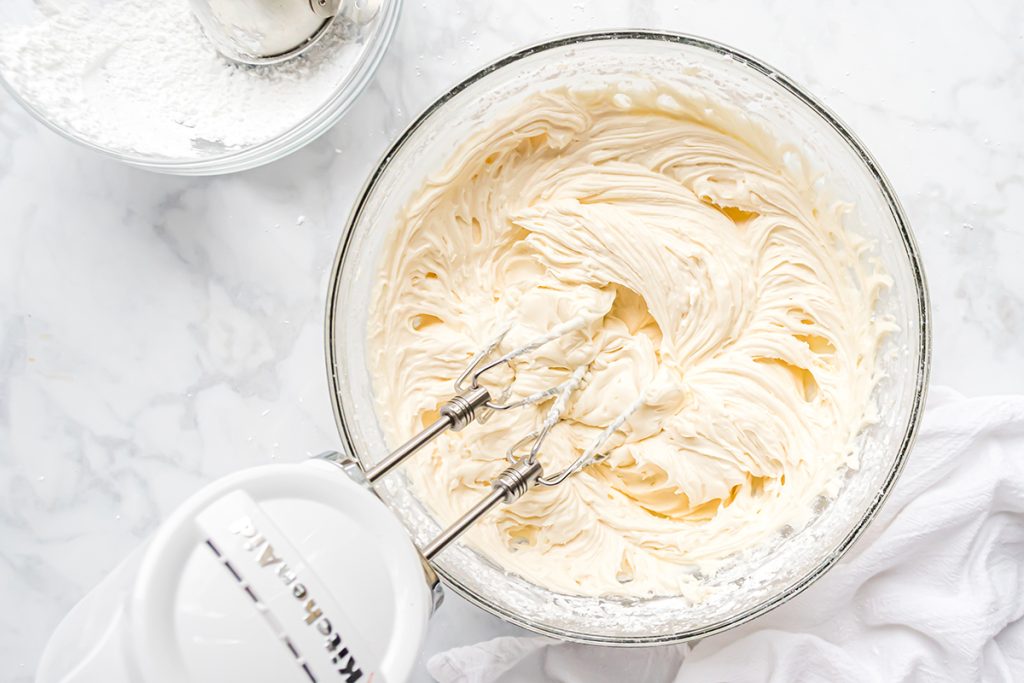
(268, 560)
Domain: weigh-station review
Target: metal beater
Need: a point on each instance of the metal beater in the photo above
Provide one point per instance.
(473, 402)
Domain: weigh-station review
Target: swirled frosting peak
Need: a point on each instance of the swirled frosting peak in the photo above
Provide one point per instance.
(718, 291)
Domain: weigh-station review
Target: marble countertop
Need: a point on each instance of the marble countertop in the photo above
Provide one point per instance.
(158, 332)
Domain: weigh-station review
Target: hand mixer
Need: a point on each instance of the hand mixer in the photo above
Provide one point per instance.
(295, 572)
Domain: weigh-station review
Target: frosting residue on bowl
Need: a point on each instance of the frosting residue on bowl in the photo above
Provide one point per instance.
(720, 292)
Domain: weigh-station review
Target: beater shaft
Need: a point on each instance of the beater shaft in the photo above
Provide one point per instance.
(459, 526)
(455, 414)
(507, 488)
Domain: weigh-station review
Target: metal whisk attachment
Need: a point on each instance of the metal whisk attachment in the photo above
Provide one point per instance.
(594, 453)
(474, 371)
(474, 402)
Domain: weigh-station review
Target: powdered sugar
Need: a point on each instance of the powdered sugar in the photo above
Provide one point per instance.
(139, 77)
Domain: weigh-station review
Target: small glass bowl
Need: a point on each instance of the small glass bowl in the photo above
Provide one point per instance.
(785, 565)
(373, 41)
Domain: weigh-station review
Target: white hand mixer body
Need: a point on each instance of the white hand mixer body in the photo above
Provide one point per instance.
(276, 573)
(291, 572)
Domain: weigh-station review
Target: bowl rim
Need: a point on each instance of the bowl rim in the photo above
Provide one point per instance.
(922, 369)
(328, 113)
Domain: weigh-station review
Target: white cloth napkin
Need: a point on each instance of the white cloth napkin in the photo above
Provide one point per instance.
(933, 591)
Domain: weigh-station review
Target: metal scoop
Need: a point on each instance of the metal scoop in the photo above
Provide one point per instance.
(267, 31)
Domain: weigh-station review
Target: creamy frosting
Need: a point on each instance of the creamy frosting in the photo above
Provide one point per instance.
(717, 291)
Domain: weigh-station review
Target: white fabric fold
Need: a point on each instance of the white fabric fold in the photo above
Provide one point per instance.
(933, 591)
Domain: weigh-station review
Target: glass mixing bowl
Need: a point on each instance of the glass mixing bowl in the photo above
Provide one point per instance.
(786, 564)
(371, 41)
